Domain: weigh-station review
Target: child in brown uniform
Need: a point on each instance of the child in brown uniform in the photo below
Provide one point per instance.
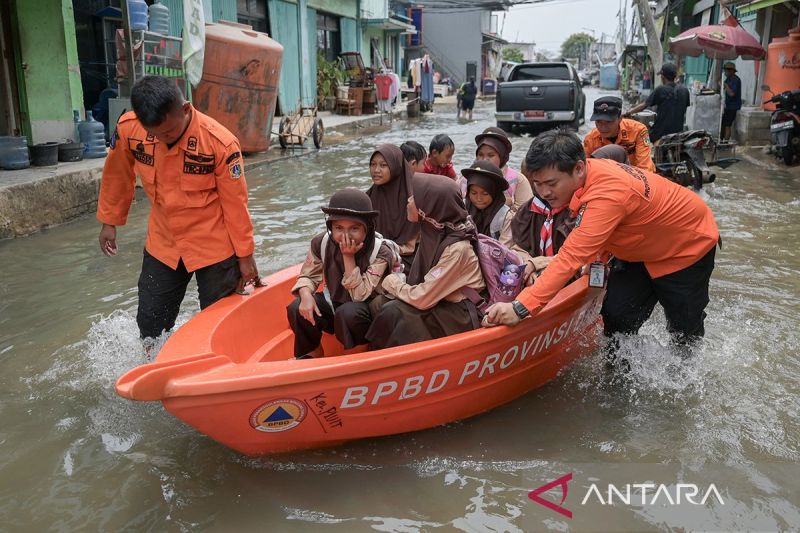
(344, 256)
(486, 201)
(391, 178)
(493, 145)
(431, 304)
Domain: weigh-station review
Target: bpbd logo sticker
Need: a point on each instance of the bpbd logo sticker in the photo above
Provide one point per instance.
(278, 415)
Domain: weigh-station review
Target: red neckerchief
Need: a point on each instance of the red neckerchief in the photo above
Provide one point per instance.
(539, 207)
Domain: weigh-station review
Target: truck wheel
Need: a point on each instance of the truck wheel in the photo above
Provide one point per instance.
(505, 126)
(788, 155)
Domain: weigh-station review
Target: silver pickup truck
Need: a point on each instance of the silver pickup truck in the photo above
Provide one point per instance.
(540, 94)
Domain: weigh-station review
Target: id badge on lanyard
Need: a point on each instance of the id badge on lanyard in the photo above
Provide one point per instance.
(597, 274)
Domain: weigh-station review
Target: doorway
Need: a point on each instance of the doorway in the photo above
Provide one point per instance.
(10, 116)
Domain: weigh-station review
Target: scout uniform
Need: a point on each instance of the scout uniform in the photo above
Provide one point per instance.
(495, 220)
(666, 232)
(198, 221)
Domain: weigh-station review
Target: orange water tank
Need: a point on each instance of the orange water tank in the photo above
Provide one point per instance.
(783, 65)
(240, 82)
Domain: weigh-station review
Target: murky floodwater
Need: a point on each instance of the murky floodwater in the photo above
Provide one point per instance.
(74, 456)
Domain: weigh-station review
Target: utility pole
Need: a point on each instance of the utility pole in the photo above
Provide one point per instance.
(654, 49)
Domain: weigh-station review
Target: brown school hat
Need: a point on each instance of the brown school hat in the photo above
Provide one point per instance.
(481, 170)
(350, 204)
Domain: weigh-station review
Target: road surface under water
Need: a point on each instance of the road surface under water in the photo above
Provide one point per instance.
(74, 456)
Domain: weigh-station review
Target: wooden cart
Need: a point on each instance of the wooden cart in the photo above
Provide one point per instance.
(296, 127)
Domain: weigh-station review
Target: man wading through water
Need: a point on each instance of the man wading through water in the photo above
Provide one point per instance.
(665, 234)
(192, 171)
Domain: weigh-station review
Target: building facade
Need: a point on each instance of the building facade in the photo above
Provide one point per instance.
(59, 56)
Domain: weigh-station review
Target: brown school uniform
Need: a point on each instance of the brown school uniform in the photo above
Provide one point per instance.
(431, 304)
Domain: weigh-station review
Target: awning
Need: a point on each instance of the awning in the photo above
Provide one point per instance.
(758, 4)
(391, 24)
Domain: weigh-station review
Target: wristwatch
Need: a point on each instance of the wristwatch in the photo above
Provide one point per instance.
(520, 309)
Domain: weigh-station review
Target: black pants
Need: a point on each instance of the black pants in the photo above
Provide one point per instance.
(632, 294)
(349, 323)
(161, 290)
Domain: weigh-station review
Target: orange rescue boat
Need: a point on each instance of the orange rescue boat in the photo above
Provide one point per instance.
(228, 372)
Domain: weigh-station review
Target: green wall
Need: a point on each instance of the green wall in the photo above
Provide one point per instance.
(52, 76)
(367, 34)
(344, 8)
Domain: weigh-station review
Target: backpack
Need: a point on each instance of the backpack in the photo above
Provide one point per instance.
(397, 262)
(502, 270)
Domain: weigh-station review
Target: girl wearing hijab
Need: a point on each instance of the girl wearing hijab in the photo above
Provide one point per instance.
(431, 303)
(485, 201)
(344, 257)
(391, 178)
(493, 145)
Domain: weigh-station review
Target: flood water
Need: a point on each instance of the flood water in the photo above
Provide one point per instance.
(75, 457)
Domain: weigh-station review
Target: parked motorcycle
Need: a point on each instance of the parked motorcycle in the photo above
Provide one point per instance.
(686, 157)
(784, 125)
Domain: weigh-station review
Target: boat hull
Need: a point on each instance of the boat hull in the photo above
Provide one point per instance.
(227, 373)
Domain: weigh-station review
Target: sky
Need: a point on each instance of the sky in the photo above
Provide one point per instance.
(548, 24)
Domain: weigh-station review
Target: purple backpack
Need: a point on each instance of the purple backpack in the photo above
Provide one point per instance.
(502, 269)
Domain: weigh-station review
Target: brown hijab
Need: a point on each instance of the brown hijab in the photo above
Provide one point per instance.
(487, 176)
(614, 152)
(443, 221)
(390, 199)
(498, 140)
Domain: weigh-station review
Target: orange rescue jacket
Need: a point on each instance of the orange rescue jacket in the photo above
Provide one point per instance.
(633, 136)
(637, 216)
(197, 191)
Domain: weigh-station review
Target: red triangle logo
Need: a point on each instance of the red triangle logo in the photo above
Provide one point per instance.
(560, 482)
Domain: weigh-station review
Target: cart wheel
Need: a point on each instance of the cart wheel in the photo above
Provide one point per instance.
(317, 132)
(281, 134)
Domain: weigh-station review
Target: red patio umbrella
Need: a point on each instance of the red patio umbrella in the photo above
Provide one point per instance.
(718, 41)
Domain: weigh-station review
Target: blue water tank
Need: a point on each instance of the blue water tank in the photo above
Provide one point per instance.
(93, 137)
(609, 76)
(14, 153)
(137, 11)
(159, 18)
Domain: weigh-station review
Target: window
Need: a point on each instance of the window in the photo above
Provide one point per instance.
(328, 39)
(253, 13)
(541, 72)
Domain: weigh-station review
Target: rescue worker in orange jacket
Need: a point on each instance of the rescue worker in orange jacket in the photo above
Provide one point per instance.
(611, 128)
(191, 169)
(665, 233)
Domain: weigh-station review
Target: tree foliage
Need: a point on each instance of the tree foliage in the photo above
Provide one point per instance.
(576, 44)
(513, 54)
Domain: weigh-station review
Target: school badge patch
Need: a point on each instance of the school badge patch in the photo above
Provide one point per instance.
(114, 138)
(580, 215)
